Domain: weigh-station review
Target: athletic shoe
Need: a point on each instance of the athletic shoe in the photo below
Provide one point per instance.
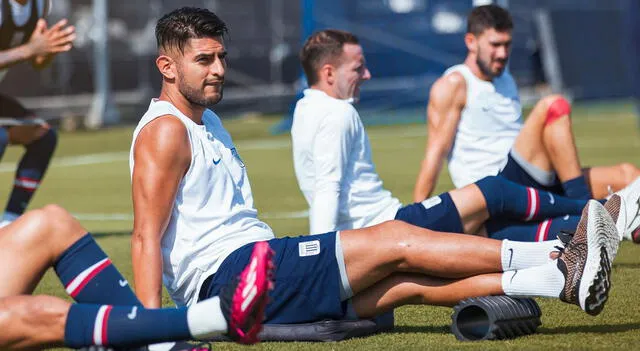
(243, 302)
(586, 260)
(629, 222)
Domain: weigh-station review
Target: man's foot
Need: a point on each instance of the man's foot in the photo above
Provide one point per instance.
(586, 260)
(629, 222)
(243, 302)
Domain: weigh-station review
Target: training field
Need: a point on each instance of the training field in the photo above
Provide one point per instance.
(90, 177)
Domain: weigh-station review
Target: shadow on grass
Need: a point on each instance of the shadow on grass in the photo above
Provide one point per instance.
(600, 329)
(108, 234)
(410, 329)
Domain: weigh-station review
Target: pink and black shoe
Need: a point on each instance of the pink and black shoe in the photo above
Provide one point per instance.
(243, 302)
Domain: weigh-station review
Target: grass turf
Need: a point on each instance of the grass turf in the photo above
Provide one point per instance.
(99, 186)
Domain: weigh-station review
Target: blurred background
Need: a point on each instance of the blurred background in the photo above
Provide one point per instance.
(586, 49)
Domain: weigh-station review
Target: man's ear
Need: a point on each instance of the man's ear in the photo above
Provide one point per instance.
(166, 66)
(471, 41)
(327, 73)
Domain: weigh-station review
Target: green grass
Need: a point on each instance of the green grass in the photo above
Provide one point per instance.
(603, 138)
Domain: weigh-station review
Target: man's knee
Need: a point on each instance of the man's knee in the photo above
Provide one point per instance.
(556, 107)
(628, 172)
(49, 223)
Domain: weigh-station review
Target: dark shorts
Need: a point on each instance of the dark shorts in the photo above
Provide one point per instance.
(11, 108)
(307, 279)
(518, 174)
(437, 213)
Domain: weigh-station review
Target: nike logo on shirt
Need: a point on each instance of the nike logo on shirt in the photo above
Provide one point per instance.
(218, 161)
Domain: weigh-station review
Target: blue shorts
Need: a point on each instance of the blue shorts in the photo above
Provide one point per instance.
(515, 172)
(308, 283)
(437, 213)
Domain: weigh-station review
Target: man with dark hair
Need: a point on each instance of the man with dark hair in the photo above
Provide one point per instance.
(26, 37)
(195, 224)
(332, 161)
(107, 312)
(475, 120)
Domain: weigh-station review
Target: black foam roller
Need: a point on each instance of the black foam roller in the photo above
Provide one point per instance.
(495, 318)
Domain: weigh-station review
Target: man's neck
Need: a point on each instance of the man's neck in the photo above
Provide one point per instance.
(193, 112)
(473, 66)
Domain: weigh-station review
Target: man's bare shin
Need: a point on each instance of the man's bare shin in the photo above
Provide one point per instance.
(417, 289)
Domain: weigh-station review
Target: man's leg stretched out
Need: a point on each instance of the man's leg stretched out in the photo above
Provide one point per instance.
(394, 263)
(108, 313)
(505, 209)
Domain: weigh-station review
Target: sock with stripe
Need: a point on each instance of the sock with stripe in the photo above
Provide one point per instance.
(505, 197)
(30, 171)
(89, 276)
(132, 326)
(577, 188)
(530, 231)
(544, 280)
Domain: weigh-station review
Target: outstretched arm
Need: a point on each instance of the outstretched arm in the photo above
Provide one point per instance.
(446, 101)
(162, 156)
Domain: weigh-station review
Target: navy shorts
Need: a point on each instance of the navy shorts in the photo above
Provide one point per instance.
(307, 279)
(437, 213)
(516, 173)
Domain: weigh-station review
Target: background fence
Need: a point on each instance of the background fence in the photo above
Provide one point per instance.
(585, 48)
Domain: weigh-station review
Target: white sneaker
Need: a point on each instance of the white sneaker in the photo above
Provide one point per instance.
(628, 222)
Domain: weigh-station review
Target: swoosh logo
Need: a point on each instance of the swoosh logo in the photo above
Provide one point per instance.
(134, 313)
(123, 282)
(510, 258)
(218, 161)
(552, 200)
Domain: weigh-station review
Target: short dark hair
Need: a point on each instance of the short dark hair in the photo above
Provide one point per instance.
(178, 26)
(322, 47)
(489, 17)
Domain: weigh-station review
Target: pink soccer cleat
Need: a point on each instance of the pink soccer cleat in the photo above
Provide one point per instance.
(243, 302)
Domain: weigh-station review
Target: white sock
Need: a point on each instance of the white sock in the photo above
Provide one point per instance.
(205, 319)
(543, 281)
(520, 255)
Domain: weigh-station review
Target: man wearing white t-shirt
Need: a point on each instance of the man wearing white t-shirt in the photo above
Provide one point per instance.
(26, 37)
(332, 160)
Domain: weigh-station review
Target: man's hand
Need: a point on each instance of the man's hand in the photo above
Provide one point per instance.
(46, 42)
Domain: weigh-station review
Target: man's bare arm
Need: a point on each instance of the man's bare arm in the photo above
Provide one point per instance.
(446, 101)
(162, 156)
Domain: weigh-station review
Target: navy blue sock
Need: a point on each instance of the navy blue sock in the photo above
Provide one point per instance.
(437, 213)
(89, 277)
(506, 198)
(4, 140)
(124, 326)
(577, 188)
(531, 231)
(30, 171)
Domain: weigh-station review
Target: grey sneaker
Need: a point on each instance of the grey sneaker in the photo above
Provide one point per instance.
(586, 260)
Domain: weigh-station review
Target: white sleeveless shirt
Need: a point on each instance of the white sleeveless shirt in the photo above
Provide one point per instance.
(489, 124)
(213, 212)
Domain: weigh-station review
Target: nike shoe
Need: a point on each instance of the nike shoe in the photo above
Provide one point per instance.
(586, 260)
(243, 302)
(629, 222)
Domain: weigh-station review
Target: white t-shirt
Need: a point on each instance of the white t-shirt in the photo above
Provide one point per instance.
(213, 212)
(489, 124)
(332, 161)
(21, 15)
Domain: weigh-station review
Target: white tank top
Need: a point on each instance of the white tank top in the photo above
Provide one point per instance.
(213, 212)
(489, 124)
